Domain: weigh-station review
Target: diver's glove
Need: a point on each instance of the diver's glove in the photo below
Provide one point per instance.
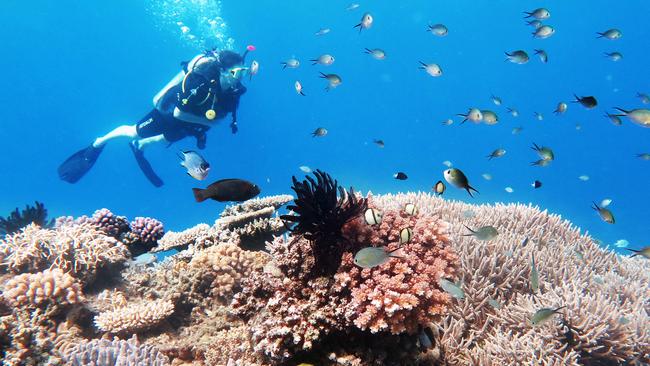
(233, 127)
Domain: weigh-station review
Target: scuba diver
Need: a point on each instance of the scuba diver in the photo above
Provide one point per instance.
(207, 89)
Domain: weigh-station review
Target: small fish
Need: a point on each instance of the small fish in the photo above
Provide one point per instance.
(546, 153)
(536, 184)
(333, 80)
(621, 243)
(376, 53)
(453, 289)
(439, 188)
(638, 116)
(584, 178)
(319, 132)
(645, 98)
(143, 260)
(490, 118)
(614, 56)
(487, 176)
(458, 179)
(561, 108)
(298, 88)
(539, 14)
(236, 71)
(379, 143)
(534, 23)
(579, 255)
(371, 257)
(322, 31)
(411, 209)
(196, 166)
(513, 112)
(541, 163)
(643, 156)
(517, 130)
(447, 163)
(606, 202)
(525, 242)
(405, 235)
(227, 190)
(543, 32)
(517, 57)
(431, 69)
(325, 59)
(543, 56)
(644, 252)
(254, 69)
(615, 119)
(539, 116)
(372, 216)
(473, 115)
(543, 315)
(623, 320)
(496, 100)
(610, 34)
(493, 303)
(305, 169)
(291, 63)
(400, 176)
(365, 23)
(352, 6)
(484, 233)
(605, 214)
(588, 102)
(534, 276)
(448, 122)
(439, 30)
(509, 189)
(426, 338)
(496, 154)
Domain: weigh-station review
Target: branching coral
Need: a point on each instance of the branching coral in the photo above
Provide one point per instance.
(103, 352)
(321, 209)
(80, 250)
(134, 317)
(50, 286)
(36, 214)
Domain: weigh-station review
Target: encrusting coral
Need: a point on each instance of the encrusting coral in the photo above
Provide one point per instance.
(217, 303)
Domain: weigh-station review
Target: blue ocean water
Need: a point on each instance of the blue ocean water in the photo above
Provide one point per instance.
(75, 70)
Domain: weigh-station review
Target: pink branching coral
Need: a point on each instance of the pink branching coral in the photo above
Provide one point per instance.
(148, 230)
(110, 223)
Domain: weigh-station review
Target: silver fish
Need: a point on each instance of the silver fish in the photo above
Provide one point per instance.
(452, 289)
(484, 233)
(196, 166)
(325, 59)
(371, 257)
(534, 276)
(543, 315)
(291, 63)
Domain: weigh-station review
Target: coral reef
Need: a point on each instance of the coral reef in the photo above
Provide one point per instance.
(218, 303)
(144, 235)
(36, 214)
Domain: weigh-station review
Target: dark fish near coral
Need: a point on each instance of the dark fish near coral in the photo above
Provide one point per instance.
(458, 179)
(226, 190)
(644, 252)
(372, 216)
(536, 184)
(195, 164)
(588, 102)
(426, 338)
(379, 143)
(605, 214)
(543, 315)
(319, 132)
(400, 176)
(371, 257)
(439, 188)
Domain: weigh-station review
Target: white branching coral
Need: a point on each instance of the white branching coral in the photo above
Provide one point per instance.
(47, 287)
(103, 352)
(134, 317)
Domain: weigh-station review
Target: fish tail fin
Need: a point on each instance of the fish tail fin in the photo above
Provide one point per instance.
(303, 94)
(313, 62)
(621, 110)
(600, 35)
(470, 189)
(559, 308)
(198, 194)
(595, 207)
(367, 50)
(470, 230)
(322, 76)
(284, 65)
(395, 253)
(636, 252)
(528, 14)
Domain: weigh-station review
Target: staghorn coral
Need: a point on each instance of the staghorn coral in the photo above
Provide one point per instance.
(117, 352)
(47, 287)
(36, 214)
(80, 250)
(136, 317)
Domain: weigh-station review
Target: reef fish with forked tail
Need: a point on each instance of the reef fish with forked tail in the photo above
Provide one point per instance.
(226, 190)
(371, 257)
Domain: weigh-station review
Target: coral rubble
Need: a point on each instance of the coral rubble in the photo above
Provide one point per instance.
(218, 302)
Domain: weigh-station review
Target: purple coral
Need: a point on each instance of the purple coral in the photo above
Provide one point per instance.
(147, 230)
(110, 223)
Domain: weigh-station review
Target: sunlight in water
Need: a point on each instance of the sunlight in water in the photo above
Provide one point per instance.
(197, 22)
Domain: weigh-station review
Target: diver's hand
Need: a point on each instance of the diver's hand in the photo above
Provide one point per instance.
(233, 127)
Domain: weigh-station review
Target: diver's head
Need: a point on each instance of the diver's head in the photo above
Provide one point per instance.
(229, 59)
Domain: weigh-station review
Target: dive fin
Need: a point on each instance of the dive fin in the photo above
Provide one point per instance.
(77, 165)
(146, 167)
